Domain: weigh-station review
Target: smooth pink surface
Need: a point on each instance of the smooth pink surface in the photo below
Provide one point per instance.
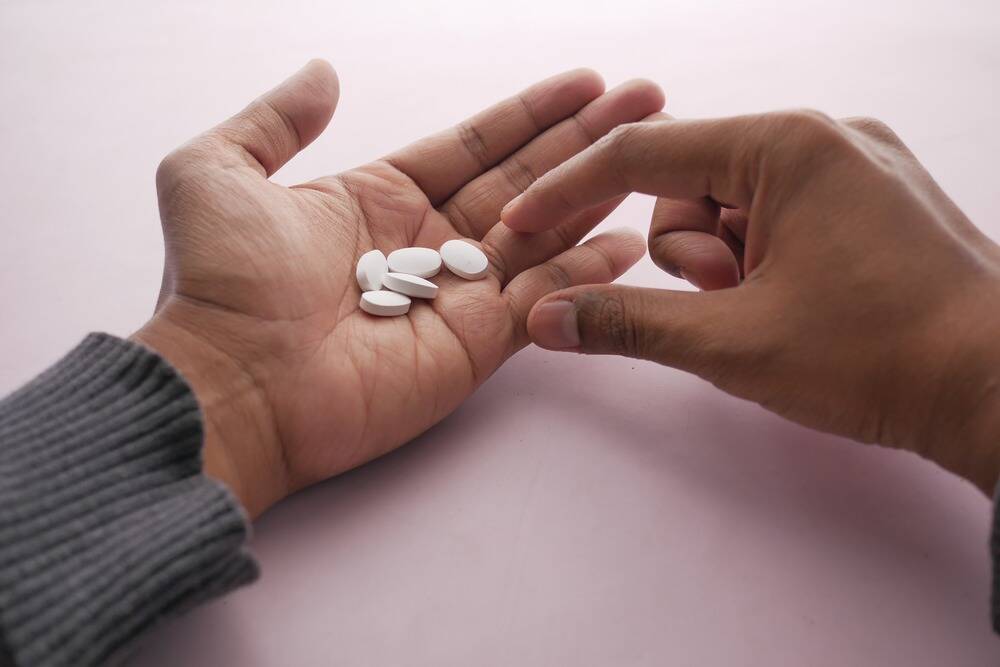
(576, 511)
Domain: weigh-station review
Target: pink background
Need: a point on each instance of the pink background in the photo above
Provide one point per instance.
(575, 511)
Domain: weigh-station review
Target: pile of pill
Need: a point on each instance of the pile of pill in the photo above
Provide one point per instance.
(388, 283)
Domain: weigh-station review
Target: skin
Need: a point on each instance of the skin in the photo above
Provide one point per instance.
(259, 304)
(842, 289)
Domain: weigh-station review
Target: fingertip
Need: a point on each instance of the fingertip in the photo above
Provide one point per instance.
(629, 246)
(321, 77)
(568, 92)
(321, 67)
(512, 215)
(647, 95)
(703, 259)
(588, 79)
(632, 234)
(313, 95)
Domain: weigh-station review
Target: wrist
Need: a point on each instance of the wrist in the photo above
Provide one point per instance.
(984, 468)
(240, 447)
(981, 462)
(966, 435)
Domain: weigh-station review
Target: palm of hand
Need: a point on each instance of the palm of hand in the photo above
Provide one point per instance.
(369, 383)
(264, 274)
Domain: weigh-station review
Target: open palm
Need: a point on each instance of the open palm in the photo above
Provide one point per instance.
(259, 306)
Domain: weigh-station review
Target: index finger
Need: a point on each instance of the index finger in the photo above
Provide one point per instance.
(677, 159)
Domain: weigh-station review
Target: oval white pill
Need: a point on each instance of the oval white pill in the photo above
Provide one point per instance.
(385, 303)
(422, 262)
(410, 285)
(371, 267)
(464, 259)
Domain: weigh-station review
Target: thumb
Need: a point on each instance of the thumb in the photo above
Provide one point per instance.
(271, 129)
(693, 331)
(284, 120)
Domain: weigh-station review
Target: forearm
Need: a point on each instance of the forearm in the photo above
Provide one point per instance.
(106, 521)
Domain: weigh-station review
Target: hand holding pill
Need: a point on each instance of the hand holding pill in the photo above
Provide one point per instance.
(842, 287)
(326, 323)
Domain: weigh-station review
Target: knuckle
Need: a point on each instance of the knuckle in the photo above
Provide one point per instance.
(808, 119)
(805, 134)
(550, 188)
(556, 275)
(474, 142)
(518, 173)
(867, 124)
(280, 124)
(587, 133)
(805, 123)
(457, 210)
(618, 149)
(619, 141)
(529, 111)
(256, 131)
(566, 236)
(874, 129)
(265, 132)
(608, 325)
(496, 260)
(605, 265)
(620, 133)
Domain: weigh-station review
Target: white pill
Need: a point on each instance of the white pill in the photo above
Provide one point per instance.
(410, 285)
(371, 267)
(464, 259)
(385, 303)
(422, 262)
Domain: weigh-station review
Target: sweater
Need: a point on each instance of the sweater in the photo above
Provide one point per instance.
(107, 524)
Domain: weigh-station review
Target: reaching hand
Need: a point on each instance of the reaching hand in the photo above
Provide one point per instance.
(844, 290)
(259, 304)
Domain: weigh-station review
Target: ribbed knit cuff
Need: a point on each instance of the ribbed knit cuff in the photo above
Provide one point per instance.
(106, 522)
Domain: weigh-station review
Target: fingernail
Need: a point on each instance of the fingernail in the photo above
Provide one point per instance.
(688, 278)
(554, 325)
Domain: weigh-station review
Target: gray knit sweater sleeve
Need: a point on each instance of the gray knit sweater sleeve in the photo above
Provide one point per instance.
(107, 524)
